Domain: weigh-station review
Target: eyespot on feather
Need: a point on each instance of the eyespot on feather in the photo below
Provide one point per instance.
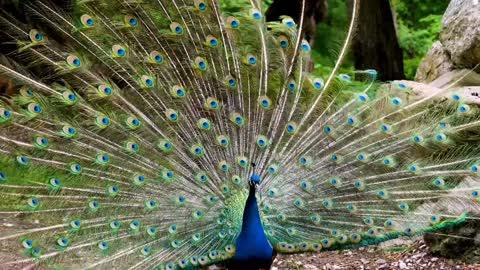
(36, 37)
(176, 28)
(87, 21)
(233, 23)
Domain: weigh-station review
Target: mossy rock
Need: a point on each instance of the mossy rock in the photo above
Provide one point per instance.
(460, 242)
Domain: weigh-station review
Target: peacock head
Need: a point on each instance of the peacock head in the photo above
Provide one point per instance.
(255, 180)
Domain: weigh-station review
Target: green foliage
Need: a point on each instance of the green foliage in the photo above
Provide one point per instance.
(329, 37)
(233, 6)
(419, 23)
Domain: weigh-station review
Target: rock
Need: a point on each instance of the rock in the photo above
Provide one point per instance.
(460, 33)
(309, 267)
(462, 247)
(419, 255)
(215, 267)
(380, 261)
(274, 268)
(459, 43)
(402, 265)
(364, 261)
(434, 64)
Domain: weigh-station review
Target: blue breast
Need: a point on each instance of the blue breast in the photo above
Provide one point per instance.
(252, 243)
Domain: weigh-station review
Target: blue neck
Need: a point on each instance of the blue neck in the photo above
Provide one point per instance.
(252, 243)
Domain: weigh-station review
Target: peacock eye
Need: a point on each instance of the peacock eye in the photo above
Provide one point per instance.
(292, 85)
(317, 83)
(73, 61)
(345, 78)
(130, 20)
(155, 57)
(177, 91)
(327, 129)
(5, 114)
(200, 63)
(363, 97)
(87, 20)
(385, 128)
(305, 46)
(255, 13)
(41, 141)
(34, 109)
(200, 5)
(75, 224)
(288, 22)
(150, 204)
(396, 101)
(147, 81)
(197, 150)
(233, 22)
(33, 202)
(211, 41)
(36, 36)
(231, 82)
(133, 122)
(223, 166)
(176, 28)
(252, 60)
(464, 108)
(145, 251)
(119, 51)
(22, 160)
(172, 115)
(264, 102)
(204, 124)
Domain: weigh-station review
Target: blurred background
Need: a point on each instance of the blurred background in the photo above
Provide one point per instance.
(392, 36)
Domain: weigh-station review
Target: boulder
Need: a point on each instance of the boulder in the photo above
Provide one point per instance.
(460, 33)
(434, 64)
(459, 44)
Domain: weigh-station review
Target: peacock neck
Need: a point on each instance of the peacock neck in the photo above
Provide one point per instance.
(252, 243)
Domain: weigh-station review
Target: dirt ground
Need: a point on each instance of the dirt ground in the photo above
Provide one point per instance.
(408, 255)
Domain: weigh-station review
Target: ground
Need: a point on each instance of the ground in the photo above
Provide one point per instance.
(407, 255)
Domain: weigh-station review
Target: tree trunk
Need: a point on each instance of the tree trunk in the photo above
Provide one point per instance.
(375, 44)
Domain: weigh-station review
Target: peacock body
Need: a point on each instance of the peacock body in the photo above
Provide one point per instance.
(171, 135)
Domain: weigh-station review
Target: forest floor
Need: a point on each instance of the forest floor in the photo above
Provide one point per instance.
(408, 255)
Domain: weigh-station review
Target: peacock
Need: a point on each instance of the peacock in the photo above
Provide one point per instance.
(171, 134)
